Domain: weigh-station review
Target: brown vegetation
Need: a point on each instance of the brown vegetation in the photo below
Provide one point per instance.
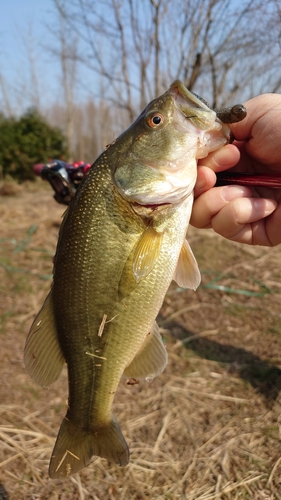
(208, 428)
(9, 189)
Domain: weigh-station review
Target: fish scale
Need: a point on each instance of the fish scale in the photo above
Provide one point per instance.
(121, 242)
(134, 317)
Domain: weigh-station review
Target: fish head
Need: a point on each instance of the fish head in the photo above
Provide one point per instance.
(155, 159)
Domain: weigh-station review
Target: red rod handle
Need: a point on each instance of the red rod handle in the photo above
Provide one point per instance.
(249, 179)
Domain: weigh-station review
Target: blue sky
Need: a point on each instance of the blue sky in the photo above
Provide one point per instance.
(20, 21)
(16, 16)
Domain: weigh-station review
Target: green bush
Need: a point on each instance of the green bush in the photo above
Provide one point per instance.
(26, 141)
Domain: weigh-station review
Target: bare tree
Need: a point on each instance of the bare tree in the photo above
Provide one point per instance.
(137, 48)
(30, 46)
(93, 126)
(3, 89)
(66, 50)
(25, 89)
(219, 49)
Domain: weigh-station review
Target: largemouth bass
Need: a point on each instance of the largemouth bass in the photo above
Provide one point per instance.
(121, 243)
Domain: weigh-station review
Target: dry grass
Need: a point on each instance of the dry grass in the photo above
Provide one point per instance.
(207, 429)
(10, 188)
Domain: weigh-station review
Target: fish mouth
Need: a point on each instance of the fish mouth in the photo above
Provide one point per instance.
(148, 209)
(154, 206)
(193, 112)
(202, 117)
(181, 94)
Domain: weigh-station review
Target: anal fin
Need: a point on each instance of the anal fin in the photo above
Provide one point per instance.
(151, 359)
(187, 274)
(43, 357)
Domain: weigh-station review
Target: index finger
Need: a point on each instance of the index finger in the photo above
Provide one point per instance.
(222, 159)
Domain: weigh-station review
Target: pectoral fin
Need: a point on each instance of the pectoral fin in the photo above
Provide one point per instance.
(146, 253)
(187, 274)
(151, 359)
(42, 355)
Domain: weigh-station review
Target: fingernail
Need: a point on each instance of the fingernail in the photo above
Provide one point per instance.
(229, 193)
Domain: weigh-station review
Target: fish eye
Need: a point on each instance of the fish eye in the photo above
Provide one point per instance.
(155, 120)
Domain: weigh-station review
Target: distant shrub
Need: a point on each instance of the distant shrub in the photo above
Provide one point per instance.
(26, 141)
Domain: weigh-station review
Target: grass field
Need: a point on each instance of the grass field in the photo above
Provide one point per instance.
(208, 428)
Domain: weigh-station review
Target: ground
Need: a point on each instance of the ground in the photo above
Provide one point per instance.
(208, 428)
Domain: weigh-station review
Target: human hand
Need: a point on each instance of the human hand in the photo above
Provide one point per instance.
(240, 213)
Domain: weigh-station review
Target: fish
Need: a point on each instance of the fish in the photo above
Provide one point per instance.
(121, 243)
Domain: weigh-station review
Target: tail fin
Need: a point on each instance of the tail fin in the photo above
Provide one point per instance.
(74, 448)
